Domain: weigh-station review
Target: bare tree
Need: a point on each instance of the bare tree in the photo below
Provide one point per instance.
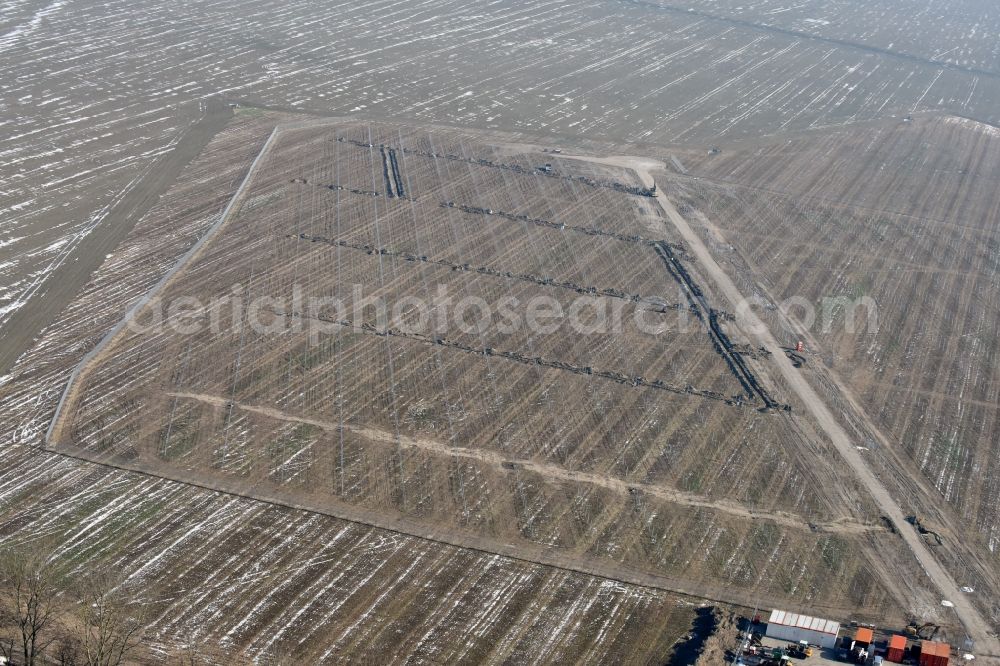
(31, 600)
(111, 618)
(6, 642)
(67, 651)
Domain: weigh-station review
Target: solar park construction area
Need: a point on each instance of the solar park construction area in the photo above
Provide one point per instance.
(481, 332)
(668, 469)
(671, 461)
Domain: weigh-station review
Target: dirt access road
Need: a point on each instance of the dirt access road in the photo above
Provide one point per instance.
(75, 379)
(87, 250)
(986, 642)
(554, 473)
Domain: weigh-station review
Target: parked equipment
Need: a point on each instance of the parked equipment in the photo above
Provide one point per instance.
(800, 650)
(926, 631)
(859, 647)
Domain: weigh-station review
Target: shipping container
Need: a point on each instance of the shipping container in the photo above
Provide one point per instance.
(793, 628)
(934, 654)
(897, 649)
(864, 636)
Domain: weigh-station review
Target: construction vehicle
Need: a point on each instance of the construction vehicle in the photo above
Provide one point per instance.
(926, 631)
(924, 529)
(801, 650)
(783, 660)
(797, 359)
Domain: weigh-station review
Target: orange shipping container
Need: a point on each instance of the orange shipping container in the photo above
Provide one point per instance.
(934, 654)
(897, 649)
(864, 636)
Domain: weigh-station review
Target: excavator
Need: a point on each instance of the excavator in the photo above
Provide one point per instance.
(923, 529)
(926, 631)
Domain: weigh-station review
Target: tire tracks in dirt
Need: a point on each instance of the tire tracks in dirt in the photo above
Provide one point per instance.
(551, 472)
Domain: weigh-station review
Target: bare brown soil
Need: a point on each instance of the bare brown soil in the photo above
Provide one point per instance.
(225, 464)
(901, 215)
(489, 447)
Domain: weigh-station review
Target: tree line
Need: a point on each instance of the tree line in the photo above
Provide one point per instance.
(52, 615)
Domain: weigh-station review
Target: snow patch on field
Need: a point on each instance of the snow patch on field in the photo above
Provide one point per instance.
(26, 29)
(975, 125)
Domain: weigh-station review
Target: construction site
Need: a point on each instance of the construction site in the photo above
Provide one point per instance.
(477, 436)
(684, 467)
(788, 638)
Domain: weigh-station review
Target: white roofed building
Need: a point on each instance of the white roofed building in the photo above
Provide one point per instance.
(793, 627)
